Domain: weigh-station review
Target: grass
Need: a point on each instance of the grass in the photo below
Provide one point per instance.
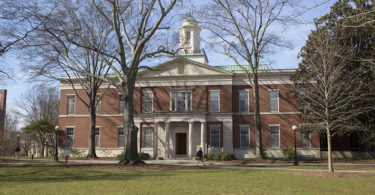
(62, 180)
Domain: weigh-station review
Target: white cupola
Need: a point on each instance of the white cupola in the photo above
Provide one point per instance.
(190, 41)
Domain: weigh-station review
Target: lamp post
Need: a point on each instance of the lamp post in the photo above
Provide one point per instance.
(294, 128)
(56, 157)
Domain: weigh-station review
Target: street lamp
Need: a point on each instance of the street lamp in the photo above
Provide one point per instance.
(294, 128)
(56, 157)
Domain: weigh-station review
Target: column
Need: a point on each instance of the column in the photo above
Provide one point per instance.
(138, 125)
(203, 136)
(167, 137)
(155, 136)
(190, 139)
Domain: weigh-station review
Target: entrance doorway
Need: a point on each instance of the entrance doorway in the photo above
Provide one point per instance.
(181, 143)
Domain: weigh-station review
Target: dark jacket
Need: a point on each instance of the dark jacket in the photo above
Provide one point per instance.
(200, 154)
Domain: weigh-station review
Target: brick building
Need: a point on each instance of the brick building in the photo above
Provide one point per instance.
(185, 103)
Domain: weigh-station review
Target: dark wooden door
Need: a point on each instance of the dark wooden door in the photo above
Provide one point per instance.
(181, 143)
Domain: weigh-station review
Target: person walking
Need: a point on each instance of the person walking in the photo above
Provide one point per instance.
(200, 156)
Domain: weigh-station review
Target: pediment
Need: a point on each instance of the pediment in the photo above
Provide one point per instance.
(182, 67)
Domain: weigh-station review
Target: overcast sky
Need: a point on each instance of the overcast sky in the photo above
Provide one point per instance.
(281, 59)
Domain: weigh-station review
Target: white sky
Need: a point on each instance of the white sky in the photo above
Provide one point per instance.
(282, 58)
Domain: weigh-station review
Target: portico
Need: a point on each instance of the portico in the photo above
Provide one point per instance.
(174, 136)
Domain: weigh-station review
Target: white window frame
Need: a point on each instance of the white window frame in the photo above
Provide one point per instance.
(239, 101)
(119, 103)
(98, 108)
(248, 128)
(275, 125)
(215, 126)
(66, 129)
(269, 100)
(304, 132)
(97, 144)
(187, 41)
(67, 104)
(186, 101)
(218, 99)
(152, 136)
(144, 101)
(118, 136)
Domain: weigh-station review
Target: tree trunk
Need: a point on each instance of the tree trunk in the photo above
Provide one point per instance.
(92, 151)
(130, 130)
(258, 125)
(329, 142)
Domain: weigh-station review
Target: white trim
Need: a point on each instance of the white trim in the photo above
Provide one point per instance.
(186, 100)
(67, 104)
(278, 100)
(188, 83)
(98, 136)
(218, 105)
(275, 125)
(214, 125)
(99, 104)
(66, 129)
(248, 128)
(152, 101)
(239, 101)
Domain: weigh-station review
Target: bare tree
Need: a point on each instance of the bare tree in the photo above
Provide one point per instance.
(9, 142)
(134, 24)
(336, 95)
(70, 24)
(242, 31)
(39, 103)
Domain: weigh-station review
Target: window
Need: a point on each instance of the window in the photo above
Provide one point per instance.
(244, 101)
(121, 102)
(273, 96)
(97, 136)
(214, 101)
(97, 103)
(148, 97)
(244, 136)
(69, 137)
(181, 101)
(305, 140)
(187, 37)
(275, 136)
(215, 136)
(148, 137)
(71, 104)
(120, 137)
(302, 103)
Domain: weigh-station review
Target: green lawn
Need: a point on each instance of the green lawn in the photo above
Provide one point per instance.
(336, 167)
(61, 180)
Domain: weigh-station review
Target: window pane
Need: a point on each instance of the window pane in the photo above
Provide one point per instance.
(244, 101)
(214, 101)
(187, 37)
(148, 97)
(121, 102)
(97, 103)
(181, 101)
(148, 137)
(302, 103)
(71, 103)
(215, 136)
(121, 137)
(274, 137)
(305, 140)
(245, 137)
(97, 137)
(69, 137)
(273, 101)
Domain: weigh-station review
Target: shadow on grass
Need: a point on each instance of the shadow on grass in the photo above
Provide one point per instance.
(68, 174)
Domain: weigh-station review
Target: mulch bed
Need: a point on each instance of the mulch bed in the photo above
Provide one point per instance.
(334, 175)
